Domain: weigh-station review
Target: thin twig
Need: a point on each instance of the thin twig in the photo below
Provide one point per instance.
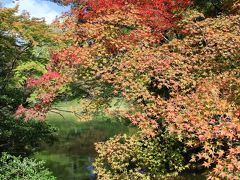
(58, 114)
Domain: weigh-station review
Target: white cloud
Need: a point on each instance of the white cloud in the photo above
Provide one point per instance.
(37, 9)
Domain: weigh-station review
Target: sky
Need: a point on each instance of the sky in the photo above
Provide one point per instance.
(37, 8)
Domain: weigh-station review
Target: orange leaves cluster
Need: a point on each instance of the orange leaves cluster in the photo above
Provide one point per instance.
(193, 84)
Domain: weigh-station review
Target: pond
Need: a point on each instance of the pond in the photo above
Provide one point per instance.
(71, 157)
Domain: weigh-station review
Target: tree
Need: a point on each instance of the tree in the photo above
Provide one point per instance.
(96, 34)
(179, 75)
(22, 41)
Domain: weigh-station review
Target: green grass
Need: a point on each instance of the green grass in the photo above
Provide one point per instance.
(67, 122)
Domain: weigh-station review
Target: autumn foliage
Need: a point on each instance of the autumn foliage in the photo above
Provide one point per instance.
(176, 68)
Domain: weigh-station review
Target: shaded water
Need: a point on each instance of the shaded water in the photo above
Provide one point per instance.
(72, 156)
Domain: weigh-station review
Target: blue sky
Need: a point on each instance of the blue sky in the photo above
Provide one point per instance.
(37, 8)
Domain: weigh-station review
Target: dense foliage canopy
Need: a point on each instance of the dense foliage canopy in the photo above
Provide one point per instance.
(177, 68)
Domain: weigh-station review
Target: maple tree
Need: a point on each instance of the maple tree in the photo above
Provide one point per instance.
(23, 42)
(182, 70)
(194, 85)
(98, 33)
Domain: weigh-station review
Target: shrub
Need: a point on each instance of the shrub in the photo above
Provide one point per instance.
(124, 157)
(17, 168)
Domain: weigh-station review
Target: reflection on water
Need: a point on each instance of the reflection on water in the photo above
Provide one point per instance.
(72, 156)
(73, 167)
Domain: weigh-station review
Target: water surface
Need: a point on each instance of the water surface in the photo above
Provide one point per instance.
(71, 157)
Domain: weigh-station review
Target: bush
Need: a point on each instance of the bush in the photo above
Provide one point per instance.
(12, 167)
(134, 157)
